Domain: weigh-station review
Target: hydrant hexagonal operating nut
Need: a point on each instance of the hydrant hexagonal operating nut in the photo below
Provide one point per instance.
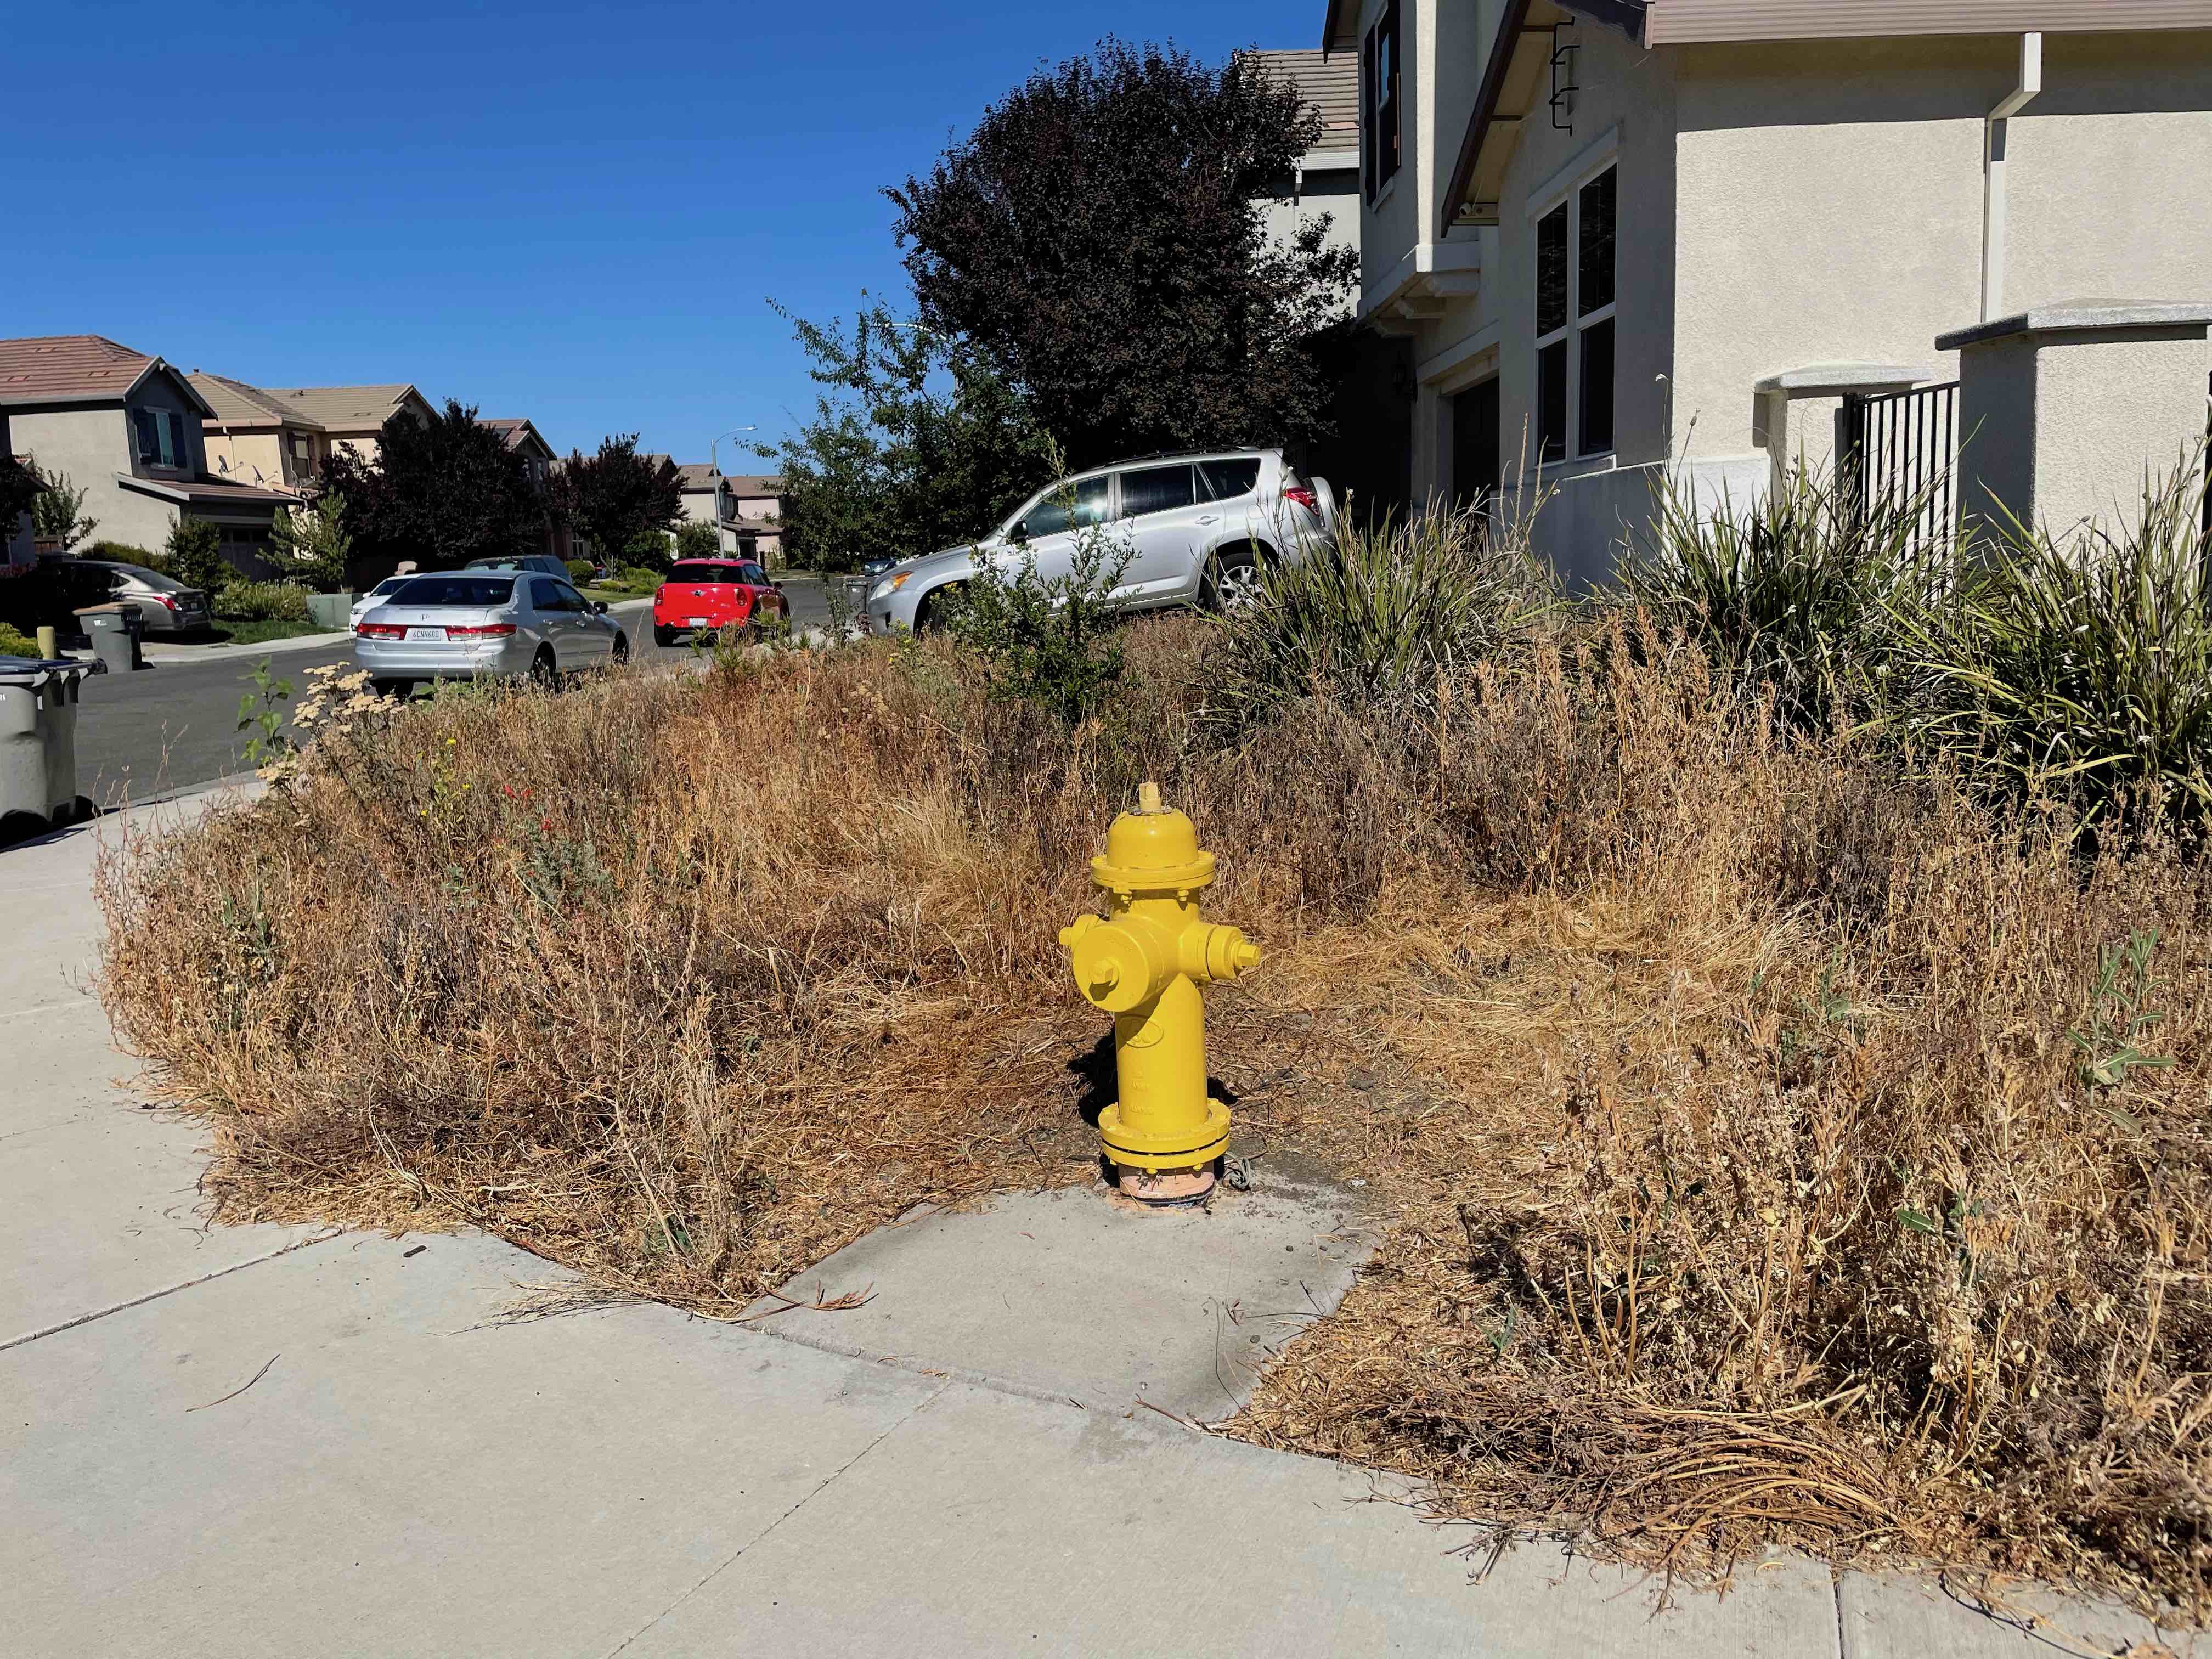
(1143, 962)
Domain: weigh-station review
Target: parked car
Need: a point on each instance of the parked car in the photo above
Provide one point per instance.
(470, 624)
(375, 596)
(705, 595)
(544, 563)
(164, 605)
(1198, 527)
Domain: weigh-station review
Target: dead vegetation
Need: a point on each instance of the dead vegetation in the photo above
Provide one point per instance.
(1778, 1147)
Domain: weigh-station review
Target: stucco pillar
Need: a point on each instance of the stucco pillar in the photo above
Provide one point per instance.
(1797, 414)
(2064, 408)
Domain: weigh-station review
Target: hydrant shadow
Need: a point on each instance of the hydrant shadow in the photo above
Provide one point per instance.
(1094, 1069)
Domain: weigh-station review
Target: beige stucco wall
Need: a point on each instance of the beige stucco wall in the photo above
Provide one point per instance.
(89, 446)
(1830, 200)
(1332, 194)
(247, 453)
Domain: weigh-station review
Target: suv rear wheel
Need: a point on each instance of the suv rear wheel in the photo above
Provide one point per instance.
(1232, 578)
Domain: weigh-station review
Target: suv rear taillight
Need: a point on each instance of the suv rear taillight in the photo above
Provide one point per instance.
(369, 630)
(481, 631)
(1305, 497)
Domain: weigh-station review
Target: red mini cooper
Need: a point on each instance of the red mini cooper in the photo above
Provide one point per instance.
(704, 595)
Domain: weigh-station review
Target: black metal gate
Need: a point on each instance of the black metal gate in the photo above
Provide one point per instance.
(1900, 451)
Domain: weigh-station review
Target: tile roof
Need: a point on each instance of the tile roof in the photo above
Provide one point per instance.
(1328, 83)
(345, 408)
(515, 429)
(236, 403)
(697, 475)
(754, 483)
(69, 367)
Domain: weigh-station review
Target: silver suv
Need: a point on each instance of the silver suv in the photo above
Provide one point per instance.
(1197, 528)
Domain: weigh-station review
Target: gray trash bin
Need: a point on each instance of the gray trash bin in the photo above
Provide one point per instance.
(38, 745)
(114, 637)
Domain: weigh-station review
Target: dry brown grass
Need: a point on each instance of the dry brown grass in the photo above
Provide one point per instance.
(1747, 1182)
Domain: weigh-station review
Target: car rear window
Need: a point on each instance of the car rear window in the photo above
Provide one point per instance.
(708, 573)
(473, 590)
(1225, 480)
(153, 579)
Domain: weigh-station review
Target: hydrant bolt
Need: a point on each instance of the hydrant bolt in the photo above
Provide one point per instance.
(1143, 962)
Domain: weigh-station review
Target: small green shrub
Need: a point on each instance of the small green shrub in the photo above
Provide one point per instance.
(2082, 669)
(581, 571)
(1377, 616)
(13, 644)
(1797, 596)
(1045, 641)
(652, 548)
(634, 579)
(697, 541)
(262, 602)
(194, 556)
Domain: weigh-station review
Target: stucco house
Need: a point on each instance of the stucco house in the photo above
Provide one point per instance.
(125, 428)
(754, 524)
(253, 437)
(352, 416)
(1721, 231)
(704, 501)
(1365, 456)
(539, 458)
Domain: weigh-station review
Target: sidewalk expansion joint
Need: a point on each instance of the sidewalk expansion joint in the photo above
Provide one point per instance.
(896, 1362)
(171, 1290)
(831, 1479)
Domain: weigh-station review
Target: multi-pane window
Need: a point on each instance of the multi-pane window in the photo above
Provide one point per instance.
(1379, 100)
(1576, 270)
(161, 438)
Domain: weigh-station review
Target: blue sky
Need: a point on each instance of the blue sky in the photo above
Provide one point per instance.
(572, 213)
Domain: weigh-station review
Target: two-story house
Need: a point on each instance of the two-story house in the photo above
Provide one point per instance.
(352, 417)
(255, 438)
(1363, 454)
(538, 460)
(1712, 235)
(753, 521)
(125, 428)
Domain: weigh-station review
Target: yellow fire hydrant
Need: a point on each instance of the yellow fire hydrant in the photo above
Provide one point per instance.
(1143, 962)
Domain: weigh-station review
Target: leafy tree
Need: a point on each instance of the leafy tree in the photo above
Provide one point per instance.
(312, 541)
(1098, 238)
(194, 556)
(616, 496)
(649, 549)
(20, 489)
(441, 492)
(697, 541)
(891, 465)
(57, 514)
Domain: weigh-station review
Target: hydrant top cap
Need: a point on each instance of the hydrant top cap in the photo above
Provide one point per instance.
(1159, 848)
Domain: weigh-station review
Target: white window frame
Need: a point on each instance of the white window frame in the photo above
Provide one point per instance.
(1566, 191)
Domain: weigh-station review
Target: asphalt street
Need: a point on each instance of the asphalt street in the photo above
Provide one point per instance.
(175, 724)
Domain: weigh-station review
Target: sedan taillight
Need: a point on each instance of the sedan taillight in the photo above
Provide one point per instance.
(481, 631)
(369, 630)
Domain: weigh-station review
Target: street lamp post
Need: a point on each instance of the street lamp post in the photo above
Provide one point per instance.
(714, 449)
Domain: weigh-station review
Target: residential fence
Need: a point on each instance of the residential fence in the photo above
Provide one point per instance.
(1900, 451)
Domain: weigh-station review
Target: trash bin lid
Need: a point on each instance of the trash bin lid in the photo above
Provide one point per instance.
(30, 672)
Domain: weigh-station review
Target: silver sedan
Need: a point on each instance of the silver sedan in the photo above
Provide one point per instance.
(466, 624)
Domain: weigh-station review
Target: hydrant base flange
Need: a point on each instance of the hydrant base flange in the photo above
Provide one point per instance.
(1186, 1148)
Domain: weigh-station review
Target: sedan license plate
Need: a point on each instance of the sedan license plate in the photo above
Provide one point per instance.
(438, 633)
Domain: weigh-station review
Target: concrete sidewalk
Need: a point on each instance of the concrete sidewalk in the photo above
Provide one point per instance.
(267, 1440)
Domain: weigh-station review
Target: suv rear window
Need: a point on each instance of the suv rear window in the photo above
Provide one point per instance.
(456, 590)
(1225, 480)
